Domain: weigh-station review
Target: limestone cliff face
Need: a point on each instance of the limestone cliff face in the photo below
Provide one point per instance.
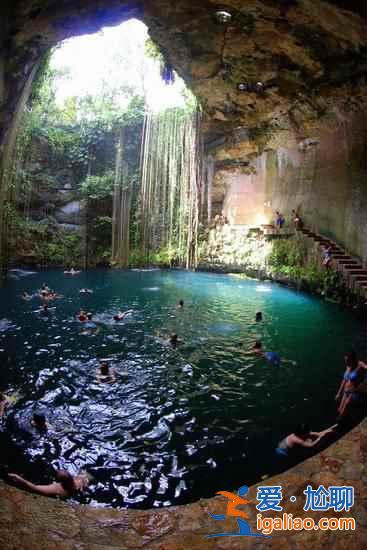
(319, 168)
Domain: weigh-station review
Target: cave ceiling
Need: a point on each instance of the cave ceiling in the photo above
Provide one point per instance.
(294, 58)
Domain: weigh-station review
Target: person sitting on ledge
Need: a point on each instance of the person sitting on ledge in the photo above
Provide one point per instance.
(298, 223)
(65, 485)
(302, 437)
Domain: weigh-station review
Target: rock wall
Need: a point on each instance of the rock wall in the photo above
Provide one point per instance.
(53, 194)
(321, 170)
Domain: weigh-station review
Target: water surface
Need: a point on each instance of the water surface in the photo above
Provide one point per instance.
(178, 424)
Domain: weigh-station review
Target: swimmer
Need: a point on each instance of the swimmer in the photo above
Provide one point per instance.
(121, 315)
(174, 340)
(258, 316)
(270, 356)
(180, 304)
(89, 316)
(105, 374)
(85, 291)
(82, 316)
(39, 422)
(4, 402)
(65, 486)
(257, 348)
(302, 437)
(72, 271)
(26, 296)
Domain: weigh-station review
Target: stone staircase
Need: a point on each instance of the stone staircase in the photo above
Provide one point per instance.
(354, 273)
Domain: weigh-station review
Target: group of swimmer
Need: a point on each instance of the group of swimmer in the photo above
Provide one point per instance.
(351, 391)
(66, 485)
(353, 386)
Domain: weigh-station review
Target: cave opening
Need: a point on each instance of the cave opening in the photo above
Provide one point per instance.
(109, 154)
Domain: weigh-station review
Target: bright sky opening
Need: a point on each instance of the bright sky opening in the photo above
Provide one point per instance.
(114, 58)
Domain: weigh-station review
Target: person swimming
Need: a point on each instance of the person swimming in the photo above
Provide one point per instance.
(82, 316)
(302, 437)
(26, 296)
(71, 271)
(85, 291)
(180, 304)
(39, 422)
(174, 340)
(271, 356)
(105, 374)
(121, 315)
(65, 486)
(258, 316)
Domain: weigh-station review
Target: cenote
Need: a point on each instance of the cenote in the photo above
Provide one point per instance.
(178, 424)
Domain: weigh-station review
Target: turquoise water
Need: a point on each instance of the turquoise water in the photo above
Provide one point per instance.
(178, 424)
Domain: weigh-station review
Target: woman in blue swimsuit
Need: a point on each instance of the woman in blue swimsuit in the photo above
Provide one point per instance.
(353, 376)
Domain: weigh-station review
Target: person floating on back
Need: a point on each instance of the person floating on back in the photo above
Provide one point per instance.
(65, 485)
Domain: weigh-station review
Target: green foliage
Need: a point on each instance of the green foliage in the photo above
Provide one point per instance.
(287, 253)
(152, 50)
(291, 259)
(98, 187)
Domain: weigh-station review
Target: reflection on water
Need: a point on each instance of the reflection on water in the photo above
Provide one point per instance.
(177, 424)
